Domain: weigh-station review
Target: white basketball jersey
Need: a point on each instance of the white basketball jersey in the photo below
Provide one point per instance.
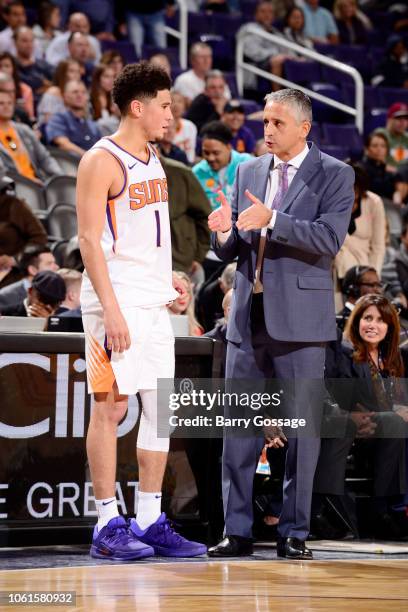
(136, 238)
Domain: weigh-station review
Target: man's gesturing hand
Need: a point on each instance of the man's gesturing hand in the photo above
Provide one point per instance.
(116, 330)
(256, 216)
(220, 220)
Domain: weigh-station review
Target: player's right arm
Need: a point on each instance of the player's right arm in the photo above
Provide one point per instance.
(97, 175)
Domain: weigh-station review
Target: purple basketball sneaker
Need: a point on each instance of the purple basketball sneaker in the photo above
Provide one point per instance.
(165, 541)
(114, 541)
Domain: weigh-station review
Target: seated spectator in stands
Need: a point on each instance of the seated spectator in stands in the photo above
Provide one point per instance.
(44, 297)
(209, 105)
(23, 93)
(185, 135)
(383, 179)
(294, 29)
(358, 281)
(78, 48)
(100, 14)
(73, 281)
(219, 332)
(218, 167)
(20, 149)
(364, 244)
(376, 410)
(352, 30)
(170, 150)
(34, 259)
(401, 261)
(393, 70)
(162, 61)
(7, 85)
(184, 305)
(189, 210)
(192, 82)
(145, 23)
(234, 117)
(265, 54)
(114, 60)
(37, 73)
(58, 49)
(52, 101)
(101, 91)
(47, 26)
(396, 132)
(389, 275)
(71, 130)
(211, 296)
(320, 25)
(19, 228)
(15, 16)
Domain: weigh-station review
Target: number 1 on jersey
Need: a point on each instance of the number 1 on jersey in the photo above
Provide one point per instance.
(157, 215)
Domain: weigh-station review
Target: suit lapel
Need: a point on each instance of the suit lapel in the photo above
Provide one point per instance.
(307, 170)
(261, 176)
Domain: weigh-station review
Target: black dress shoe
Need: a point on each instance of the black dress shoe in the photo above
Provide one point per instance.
(292, 548)
(232, 546)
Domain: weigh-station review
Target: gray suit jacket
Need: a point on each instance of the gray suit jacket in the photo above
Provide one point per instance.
(13, 294)
(309, 230)
(44, 165)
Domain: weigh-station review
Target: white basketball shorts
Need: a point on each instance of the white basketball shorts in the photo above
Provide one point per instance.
(150, 356)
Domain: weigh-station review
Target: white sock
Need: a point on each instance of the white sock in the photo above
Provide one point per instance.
(148, 509)
(107, 509)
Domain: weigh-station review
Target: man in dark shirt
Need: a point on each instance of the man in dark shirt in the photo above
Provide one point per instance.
(234, 117)
(209, 105)
(71, 130)
(35, 72)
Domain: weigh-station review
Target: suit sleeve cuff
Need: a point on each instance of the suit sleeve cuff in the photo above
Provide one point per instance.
(272, 222)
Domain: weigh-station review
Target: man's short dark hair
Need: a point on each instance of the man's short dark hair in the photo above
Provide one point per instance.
(139, 82)
(30, 257)
(217, 130)
(7, 8)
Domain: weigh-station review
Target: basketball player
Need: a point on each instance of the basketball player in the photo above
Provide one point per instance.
(124, 236)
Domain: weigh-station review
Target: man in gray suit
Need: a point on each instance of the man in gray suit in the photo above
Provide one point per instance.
(288, 218)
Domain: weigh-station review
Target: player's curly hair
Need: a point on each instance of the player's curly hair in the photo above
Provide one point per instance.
(139, 81)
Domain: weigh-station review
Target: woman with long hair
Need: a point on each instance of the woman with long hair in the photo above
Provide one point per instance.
(51, 101)
(114, 60)
(186, 305)
(24, 93)
(48, 24)
(101, 91)
(375, 409)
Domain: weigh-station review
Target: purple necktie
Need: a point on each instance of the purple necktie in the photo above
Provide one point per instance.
(276, 204)
(282, 186)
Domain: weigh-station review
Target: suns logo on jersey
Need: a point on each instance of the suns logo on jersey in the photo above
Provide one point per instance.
(147, 192)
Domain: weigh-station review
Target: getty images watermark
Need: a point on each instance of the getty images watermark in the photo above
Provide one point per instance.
(207, 407)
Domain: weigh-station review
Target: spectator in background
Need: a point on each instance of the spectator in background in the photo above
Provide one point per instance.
(358, 281)
(101, 92)
(211, 296)
(73, 281)
(389, 274)
(145, 23)
(114, 60)
(266, 55)
(15, 16)
(100, 14)
(47, 26)
(219, 331)
(162, 61)
(294, 29)
(52, 100)
(23, 93)
(189, 210)
(364, 244)
(34, 259)
(383, 179)
(185, 305)
(19, 227)
(352, 30)
(7, 85)
(233, 117)
(78, 48)
(218, 167)
(209, 105)
(396, 133)
(393, 70)
(320, 25)
(44, 297)
(185, 135)
(170, 150)
(191, 83)
(37, 73)
(20, 149)
(401, 261)
(71, 130)
(58, 49)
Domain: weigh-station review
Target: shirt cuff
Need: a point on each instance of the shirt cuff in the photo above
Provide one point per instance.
(222, 237)
(272, 222)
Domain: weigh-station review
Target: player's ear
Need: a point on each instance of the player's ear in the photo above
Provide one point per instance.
(136, 108)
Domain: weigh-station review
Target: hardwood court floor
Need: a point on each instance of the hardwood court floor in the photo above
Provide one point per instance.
(223, 586)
